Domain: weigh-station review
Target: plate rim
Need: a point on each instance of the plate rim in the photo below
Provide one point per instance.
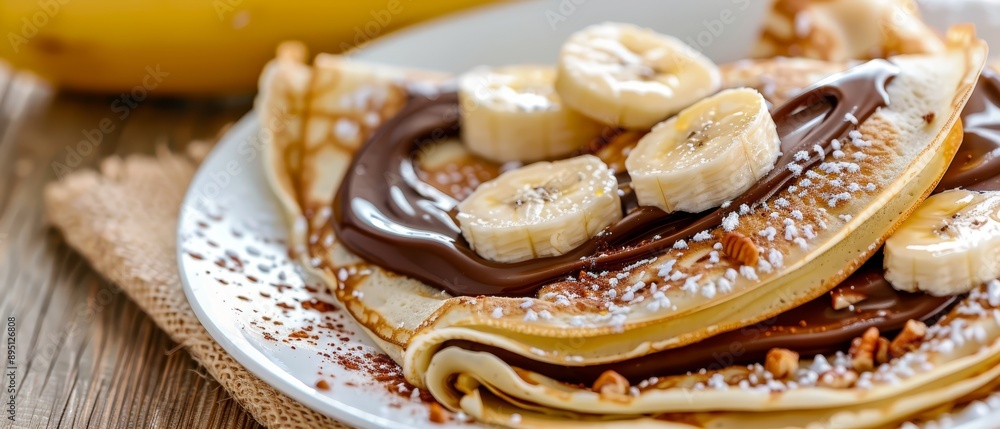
(239, 348)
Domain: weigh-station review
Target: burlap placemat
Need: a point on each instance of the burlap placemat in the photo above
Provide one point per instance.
(123, 220)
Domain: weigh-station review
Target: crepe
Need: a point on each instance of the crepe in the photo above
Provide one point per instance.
(841, 30)
(781, 78)
(314, 117)
(308, 154)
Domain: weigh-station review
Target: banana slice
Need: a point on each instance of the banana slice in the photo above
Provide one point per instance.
(514, 114)
(632, 77)
(709, 153)
(948, 246)
(544, 209)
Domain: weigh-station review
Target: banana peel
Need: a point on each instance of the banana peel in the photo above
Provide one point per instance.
(187, 47)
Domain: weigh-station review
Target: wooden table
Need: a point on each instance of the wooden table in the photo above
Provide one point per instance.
(86, 355)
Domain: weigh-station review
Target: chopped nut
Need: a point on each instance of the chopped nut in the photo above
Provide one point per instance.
(611, 384)
(845, 298)
(740, 248)
(782, 363)
(835, 379)
(882, 350)
(908, 339)
(438, 414)
(863, 350)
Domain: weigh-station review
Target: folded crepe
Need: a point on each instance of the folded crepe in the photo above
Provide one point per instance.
(540, 360)
(841, 30)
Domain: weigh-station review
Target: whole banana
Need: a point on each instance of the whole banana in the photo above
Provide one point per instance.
(205, 47)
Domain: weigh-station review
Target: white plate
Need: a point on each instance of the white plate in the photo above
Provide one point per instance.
(230, 215)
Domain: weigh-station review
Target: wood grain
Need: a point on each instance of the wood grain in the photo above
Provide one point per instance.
(86, 355)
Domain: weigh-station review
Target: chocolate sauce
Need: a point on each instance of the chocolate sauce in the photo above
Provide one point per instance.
(977, 163)
(385, 214)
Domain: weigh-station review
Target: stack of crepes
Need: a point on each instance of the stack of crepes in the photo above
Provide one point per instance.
(767, 308)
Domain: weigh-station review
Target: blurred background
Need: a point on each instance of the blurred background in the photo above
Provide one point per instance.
(217, 47)
(208, 47)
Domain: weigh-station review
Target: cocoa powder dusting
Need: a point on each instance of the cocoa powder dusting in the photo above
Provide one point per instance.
(383, 370)
(320, 306)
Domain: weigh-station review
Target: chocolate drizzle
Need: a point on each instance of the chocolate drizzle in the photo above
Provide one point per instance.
(977, 163)
(386, 215)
